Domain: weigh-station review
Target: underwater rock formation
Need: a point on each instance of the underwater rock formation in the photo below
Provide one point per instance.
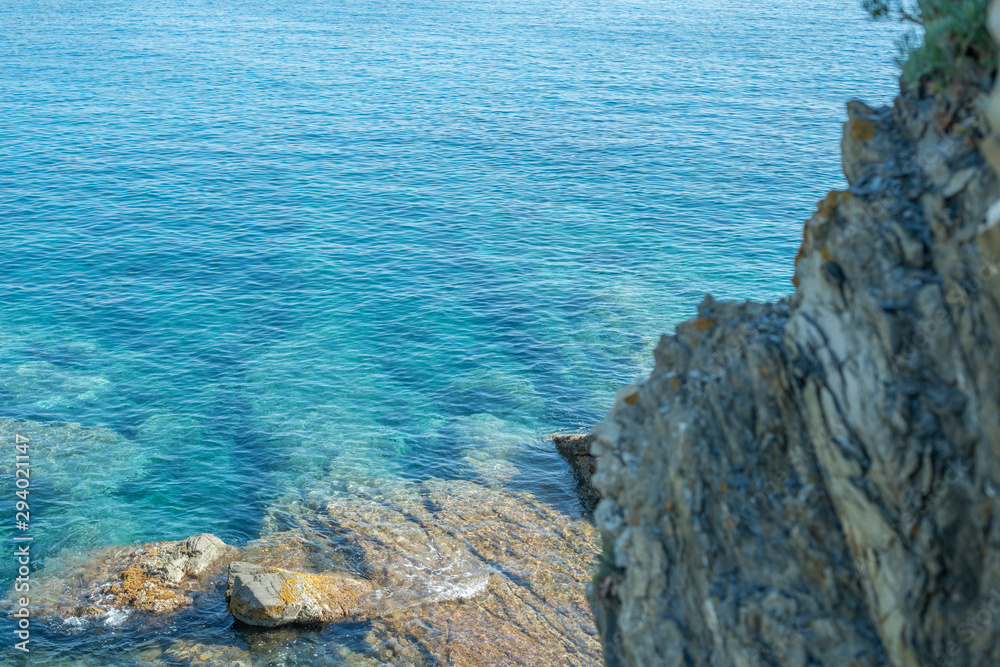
(469, 575)
(817, 482)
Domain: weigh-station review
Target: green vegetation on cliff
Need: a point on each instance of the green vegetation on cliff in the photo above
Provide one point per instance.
(955, 36)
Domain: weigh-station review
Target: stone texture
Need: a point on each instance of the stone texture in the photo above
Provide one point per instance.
(723, 545)
(990, 105)
(156, 578)
(466, 574)
(269, 597)
(181, 652)
(815, 482)
(149, 575)
(863, 147)
(175, 560)
(575, 448)
(438, 573)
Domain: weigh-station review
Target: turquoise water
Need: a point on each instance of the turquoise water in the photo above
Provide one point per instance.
(261, 249)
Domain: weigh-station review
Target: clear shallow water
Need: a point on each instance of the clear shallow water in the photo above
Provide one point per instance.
(274, 247)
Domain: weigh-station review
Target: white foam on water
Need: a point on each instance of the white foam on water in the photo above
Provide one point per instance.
(115, 617)
(112, 618)
(462, 589)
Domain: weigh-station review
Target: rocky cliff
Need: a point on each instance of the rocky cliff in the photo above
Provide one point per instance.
(817, 481)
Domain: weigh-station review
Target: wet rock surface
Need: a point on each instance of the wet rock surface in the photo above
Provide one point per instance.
(575, 448)
(269, 596)
(155, 578)
(192, 653)
(175, 560)
(469, 576)
(814, 482)
(438, 573)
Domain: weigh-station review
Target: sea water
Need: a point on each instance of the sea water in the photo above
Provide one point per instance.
(259, 249)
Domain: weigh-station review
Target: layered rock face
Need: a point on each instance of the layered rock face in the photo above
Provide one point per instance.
(716, 510)
(817, 482)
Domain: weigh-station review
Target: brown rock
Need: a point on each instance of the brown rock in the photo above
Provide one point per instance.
(192, 653)
(468, 575)
(154, 578)
(139, 590)
(270, 597)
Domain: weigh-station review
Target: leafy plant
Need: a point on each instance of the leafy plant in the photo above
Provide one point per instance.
(955, 36)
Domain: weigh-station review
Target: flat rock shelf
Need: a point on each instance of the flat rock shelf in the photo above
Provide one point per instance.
(453, 572)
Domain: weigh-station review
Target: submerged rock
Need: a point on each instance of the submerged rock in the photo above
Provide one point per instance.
(461, 574)
(79, 461)
(438, 573)
(181, 652)
(270, 597)
(468, 575)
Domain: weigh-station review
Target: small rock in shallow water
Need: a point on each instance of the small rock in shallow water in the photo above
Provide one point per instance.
(270, 597)
(155, 577)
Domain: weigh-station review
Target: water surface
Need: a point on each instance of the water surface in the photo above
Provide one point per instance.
(263, 249)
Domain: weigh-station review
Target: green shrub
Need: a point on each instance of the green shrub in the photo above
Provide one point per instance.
(955, 37)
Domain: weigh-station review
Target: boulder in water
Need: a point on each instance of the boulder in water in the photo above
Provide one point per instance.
(175, 560)
(270, 596)
(154, 578)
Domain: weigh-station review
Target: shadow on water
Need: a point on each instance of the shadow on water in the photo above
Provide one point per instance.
(437, 455)
(543, 473)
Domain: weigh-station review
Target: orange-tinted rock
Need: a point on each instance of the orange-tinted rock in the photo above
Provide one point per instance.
(139, 590)
(154, 578)
(269, 597)
(470, 575)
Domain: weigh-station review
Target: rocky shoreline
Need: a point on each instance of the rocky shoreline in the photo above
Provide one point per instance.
(437, 573)
(808, 482)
